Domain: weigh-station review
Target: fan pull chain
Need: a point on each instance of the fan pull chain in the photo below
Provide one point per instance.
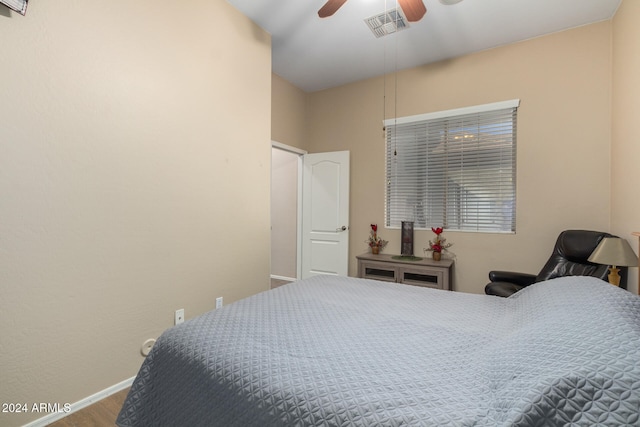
(384, 81)
(395, 94)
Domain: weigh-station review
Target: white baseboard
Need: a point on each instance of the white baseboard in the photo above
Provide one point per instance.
(45, 421)
(290, 279)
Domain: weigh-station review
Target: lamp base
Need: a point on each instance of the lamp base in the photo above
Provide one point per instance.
(614, 277)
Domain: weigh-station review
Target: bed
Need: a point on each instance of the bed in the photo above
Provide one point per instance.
(337, 351)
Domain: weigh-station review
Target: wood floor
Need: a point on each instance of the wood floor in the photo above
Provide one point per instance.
(101, 414)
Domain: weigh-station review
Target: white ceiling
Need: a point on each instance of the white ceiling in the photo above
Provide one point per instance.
(314, 53)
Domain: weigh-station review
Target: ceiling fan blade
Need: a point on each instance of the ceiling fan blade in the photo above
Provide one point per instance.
(330, 8)
(414, 10)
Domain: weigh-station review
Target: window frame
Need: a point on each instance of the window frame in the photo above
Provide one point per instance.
(496, 112)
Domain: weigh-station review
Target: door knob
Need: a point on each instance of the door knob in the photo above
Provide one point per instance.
(343, 228)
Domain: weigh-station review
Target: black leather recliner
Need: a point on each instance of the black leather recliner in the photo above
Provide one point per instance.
(569, 258)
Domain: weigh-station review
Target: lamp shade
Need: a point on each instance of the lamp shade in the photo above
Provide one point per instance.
(614, 251)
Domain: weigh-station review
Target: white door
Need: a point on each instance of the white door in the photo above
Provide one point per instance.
(325, 214)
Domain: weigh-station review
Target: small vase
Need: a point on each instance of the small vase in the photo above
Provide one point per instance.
(437, 256)
(375, 250)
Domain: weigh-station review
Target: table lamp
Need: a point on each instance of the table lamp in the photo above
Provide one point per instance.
(615, 252)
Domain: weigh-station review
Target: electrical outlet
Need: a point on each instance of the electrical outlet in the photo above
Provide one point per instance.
(218, 302)
(179, 316)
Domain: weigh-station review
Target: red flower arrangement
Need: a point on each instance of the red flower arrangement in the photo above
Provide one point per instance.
(438, 244)
(375, 242)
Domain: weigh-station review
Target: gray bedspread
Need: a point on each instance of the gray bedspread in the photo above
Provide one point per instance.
(336, 351)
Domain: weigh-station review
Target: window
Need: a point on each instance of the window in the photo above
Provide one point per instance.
(455, 169)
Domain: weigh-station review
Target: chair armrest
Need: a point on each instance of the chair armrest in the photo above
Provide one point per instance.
(522, 279)
(502, 289)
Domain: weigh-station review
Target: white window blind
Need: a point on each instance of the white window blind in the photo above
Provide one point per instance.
(19, 6)
(454, 168)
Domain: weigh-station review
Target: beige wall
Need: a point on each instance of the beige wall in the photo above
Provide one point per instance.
(563, 81)
(288, 111)
(625, 150)
(130, 183)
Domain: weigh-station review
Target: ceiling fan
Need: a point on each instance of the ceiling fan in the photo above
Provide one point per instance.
(414, 10)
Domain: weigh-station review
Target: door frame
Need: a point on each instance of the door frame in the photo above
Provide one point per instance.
(300, 153)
